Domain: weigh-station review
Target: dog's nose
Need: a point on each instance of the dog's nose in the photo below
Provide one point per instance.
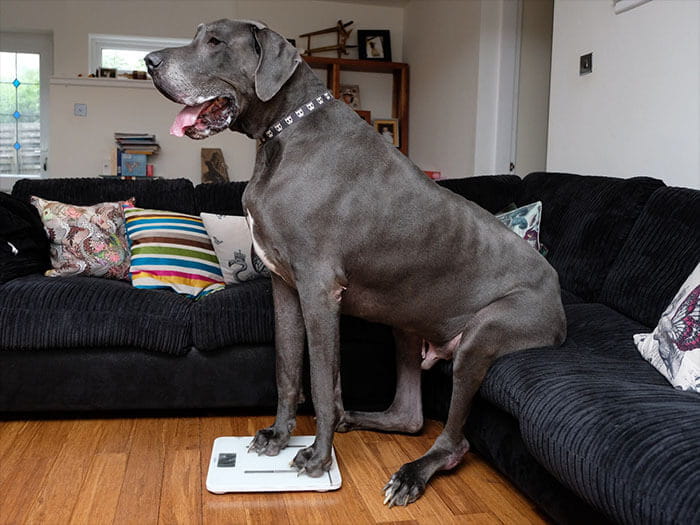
(153, 60)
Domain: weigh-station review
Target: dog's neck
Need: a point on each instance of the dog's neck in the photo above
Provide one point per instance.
(302, 87)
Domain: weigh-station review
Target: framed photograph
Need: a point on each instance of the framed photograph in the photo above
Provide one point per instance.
(365, 115)
(389, 129)
(350, 94)
(107, 72)
(374, 45)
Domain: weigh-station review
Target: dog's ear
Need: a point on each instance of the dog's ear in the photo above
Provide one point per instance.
(278, 61)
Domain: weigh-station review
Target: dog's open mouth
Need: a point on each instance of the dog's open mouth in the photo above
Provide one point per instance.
(203, 120)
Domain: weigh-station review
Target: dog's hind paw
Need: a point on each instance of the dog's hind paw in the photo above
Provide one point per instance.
(404, 487)
(268, 441)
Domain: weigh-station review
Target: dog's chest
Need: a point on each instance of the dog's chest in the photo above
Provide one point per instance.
(265, 255)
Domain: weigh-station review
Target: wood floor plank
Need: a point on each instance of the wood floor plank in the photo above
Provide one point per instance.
(19, 490)
(99, 495)
(181, 494)
(61, 486)
(140, 492)
(10, 436)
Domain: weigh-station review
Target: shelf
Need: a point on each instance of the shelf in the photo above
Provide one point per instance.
(398, 70)
(102, 82)
(348, 64)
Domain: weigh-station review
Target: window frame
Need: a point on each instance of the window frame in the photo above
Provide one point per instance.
(98, 42)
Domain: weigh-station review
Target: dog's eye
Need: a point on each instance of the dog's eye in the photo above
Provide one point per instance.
(213, 42)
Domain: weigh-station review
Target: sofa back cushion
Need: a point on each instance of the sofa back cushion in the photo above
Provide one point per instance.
(163, 194)
(660, 252)
(585, 222)
(493, 192)
(221, 198)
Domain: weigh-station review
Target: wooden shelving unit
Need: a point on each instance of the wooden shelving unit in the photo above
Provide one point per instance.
(399, 70)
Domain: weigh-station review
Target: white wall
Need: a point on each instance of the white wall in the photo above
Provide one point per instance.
(638, 113)
(79, 145)
(442, 49)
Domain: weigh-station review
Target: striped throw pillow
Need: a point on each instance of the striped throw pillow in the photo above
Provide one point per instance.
(171, 250)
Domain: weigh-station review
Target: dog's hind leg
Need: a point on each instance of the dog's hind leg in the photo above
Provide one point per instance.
(289, 344)
(492, 332)
(405, 414)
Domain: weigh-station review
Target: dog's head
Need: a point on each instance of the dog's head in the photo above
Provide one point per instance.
(228, 64)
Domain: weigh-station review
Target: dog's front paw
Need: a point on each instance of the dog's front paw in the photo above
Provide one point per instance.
(268, 441)
(405, 486)
(310, 462)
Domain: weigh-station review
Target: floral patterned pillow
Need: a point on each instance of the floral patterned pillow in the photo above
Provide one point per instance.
(673, 348)
(85, 240)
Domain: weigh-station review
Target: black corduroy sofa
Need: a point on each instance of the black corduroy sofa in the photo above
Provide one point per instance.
(589, 430)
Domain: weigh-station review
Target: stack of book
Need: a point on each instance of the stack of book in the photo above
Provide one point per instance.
(130, 157)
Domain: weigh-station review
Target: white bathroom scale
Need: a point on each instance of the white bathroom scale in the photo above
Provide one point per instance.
(233, 469)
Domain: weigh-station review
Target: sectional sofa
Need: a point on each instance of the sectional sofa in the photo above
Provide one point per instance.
(590, 431)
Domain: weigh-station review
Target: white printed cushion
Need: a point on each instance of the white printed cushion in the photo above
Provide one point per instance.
(673, 348)
(233, 245)
(525, 222)
(85, 240)
(171, 250)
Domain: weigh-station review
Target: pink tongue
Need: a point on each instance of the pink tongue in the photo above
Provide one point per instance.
(186, 118)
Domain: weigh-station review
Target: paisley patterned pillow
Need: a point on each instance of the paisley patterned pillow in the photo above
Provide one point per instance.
(85, 240)
(673, 348)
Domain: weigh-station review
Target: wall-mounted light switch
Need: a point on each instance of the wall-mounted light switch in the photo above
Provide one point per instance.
(80, 110)
(586, 64)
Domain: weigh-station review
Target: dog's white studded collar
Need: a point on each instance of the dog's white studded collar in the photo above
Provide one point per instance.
(296, 115)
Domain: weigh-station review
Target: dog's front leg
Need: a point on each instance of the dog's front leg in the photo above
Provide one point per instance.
(320, 303)
(289, 347)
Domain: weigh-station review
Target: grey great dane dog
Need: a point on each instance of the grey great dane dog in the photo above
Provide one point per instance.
(347, 224)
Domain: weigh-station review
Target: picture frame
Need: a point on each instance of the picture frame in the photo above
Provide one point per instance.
(374, 44)
(107, 72)
(214, 167)
(365, 115)
(350, 94)
(389, 129)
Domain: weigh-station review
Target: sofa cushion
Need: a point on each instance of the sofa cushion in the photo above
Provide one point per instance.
(603, 421)
(599, 341)
(221, 198)
(492, 192)
(38, 312)
(659, 254)
(24, 248)
(585, 221)
(241, 313)
(168, 194)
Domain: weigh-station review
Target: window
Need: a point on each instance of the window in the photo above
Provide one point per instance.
(25, 68)
(126, 53)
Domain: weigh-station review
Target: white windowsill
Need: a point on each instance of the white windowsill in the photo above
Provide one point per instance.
(102, 82)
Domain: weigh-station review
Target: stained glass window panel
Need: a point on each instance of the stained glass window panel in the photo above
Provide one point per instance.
(20, 127)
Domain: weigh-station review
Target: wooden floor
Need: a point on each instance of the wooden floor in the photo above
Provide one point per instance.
(153, 470)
